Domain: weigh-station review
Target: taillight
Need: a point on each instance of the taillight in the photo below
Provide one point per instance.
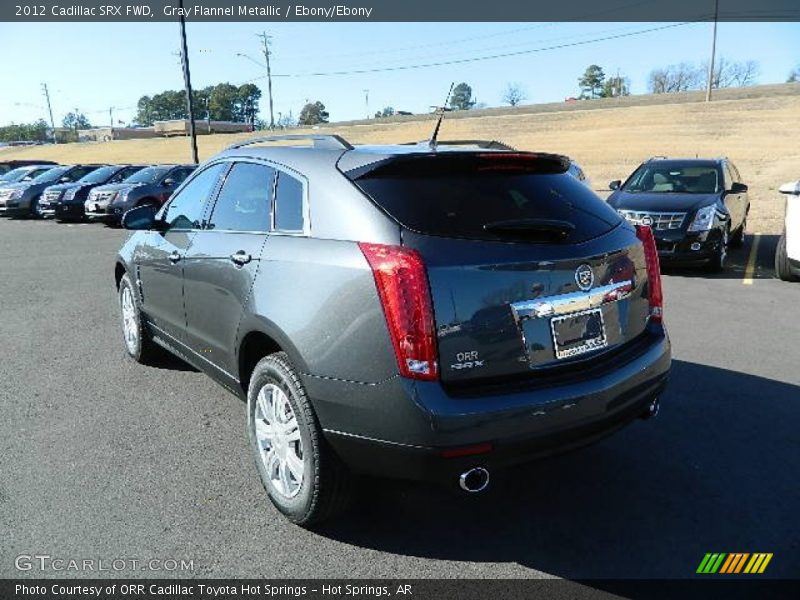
(403, 289)
(645, 234)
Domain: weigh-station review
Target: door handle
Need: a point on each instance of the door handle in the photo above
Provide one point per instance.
(240, 258)
(174, 257)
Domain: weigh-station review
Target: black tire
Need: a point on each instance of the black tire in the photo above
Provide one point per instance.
(737, 241)
(326, 485)
(34, 209)
(144, 350)
(782, 267)
(719, 260)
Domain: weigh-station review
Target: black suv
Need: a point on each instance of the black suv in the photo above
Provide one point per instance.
(426, 311)
(150, 186)
(696, 207)
(21, 199)
(65, 200)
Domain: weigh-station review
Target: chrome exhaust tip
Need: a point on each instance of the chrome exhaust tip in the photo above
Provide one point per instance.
(475, 480)
(652, 409)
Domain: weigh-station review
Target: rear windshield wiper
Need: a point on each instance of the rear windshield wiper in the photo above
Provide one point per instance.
(548, 229)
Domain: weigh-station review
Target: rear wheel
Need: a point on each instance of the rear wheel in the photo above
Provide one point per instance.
(782, 267)
(303, 477)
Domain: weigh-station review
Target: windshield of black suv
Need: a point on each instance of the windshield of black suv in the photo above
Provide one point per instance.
(98, 175)
(148, 175)
(675, 178)
(51, 175)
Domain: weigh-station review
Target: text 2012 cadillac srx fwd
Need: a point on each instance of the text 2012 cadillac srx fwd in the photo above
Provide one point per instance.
(430, 311)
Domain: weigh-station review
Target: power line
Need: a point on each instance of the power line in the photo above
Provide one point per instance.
(482, 58)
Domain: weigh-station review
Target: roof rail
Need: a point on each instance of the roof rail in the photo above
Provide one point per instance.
(658, 157)
(321, 141)
(484, 144)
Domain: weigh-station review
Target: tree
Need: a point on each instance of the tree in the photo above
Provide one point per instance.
(247, 103)
(514, 94)
(221, 102)
(25, 132)
(312, 114)
(286, 121)
(733, 74)
(76, 120)
(591, 82)
(386, 112)
(616, 86)
(794, 75)
(461, 98)
(675, 78)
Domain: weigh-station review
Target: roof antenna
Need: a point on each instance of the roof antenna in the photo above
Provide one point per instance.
(441, 110)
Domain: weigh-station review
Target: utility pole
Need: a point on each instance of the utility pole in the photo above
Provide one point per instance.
(713, 52)
(187, 81)
(266, 39)
(366, 101)
(50, 110)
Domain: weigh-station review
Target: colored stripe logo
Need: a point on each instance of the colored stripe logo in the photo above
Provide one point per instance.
(733, 563)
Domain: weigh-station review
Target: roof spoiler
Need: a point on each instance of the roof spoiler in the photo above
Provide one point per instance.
(320, 141)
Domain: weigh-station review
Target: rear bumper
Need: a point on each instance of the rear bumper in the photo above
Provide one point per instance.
(400, 428)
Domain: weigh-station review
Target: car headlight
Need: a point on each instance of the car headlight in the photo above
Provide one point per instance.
(703, 219)
(70, 193)
(120, 197)
(15, 194)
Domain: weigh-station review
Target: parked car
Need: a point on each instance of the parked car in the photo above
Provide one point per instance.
(697, 208)
(21, 199)
(787, 254)
(577, 172)
(10, 165)
(152, 185)
(423, 312)
(23, 174)
(65, 201)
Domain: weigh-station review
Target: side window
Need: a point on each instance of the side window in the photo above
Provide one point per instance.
(244, 201)
(79, 172)
(122, 175)
(288, 204)
(187, 207)
(179, 175)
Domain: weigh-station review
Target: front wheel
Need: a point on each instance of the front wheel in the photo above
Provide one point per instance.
(137, 339)
(302, 476)
(35, 209)
(737, 241)
(782, 267)
(720, 258)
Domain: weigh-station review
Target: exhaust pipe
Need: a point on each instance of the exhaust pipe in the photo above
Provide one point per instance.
(652, 409)
(475, 480)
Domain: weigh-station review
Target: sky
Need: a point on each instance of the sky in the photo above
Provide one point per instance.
(92, 67)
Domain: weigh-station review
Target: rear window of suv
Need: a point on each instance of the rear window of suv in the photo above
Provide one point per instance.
(467, 197)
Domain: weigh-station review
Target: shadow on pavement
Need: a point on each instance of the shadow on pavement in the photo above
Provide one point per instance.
(716, 471)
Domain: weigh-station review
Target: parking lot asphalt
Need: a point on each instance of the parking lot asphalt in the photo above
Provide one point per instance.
(101, 458)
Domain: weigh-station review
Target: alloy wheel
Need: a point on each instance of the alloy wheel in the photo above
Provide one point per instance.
(280, 446)
(130, 327)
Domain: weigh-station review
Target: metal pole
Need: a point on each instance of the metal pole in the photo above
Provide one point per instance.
(187, 80)
(50, 110)
(713, 52)
(267, 53)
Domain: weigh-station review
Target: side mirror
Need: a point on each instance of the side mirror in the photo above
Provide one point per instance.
(140, 218)
(169, 182)
(793, 187)
(738, 188)
(615, 185)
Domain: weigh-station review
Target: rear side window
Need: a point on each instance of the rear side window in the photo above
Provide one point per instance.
(289, 204)
(244, 201)
(470, 200)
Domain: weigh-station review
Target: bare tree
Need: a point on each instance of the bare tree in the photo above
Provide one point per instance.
(514, 94)
(675, 78)
(794, 75)
(733, 74)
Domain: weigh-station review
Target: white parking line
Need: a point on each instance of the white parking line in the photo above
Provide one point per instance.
(751, 261)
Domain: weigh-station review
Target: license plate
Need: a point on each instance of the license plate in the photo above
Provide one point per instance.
(578, 333)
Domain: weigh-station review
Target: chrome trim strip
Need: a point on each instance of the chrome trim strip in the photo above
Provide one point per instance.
(181, 345)
(563, 304)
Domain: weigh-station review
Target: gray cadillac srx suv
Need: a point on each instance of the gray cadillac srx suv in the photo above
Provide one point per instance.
(426, 311)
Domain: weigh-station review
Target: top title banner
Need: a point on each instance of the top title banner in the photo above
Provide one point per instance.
(399, 10)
